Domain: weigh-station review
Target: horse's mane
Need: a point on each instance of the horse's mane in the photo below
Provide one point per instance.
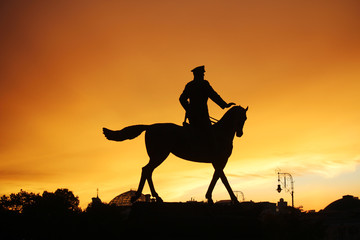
(228, 114)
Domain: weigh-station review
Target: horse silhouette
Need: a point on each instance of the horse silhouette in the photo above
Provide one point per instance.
(213, 146)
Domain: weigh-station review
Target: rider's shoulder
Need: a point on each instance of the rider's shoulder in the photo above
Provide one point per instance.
(201, 82)
(206, 83)
(193, 83)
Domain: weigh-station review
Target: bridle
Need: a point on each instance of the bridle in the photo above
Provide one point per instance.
(213, 120)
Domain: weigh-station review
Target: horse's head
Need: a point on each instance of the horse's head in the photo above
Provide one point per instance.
(234, 120)
(240, 121)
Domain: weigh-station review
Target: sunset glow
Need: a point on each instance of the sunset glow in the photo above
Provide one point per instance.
(68, 69)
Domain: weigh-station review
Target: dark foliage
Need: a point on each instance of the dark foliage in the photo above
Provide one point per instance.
(57, 216)
(19, 201)
(62, 201)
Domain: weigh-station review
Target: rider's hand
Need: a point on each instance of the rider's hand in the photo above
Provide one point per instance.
(230, 104)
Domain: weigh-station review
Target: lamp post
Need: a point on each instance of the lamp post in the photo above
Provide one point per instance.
(241, 193)
(291, 190)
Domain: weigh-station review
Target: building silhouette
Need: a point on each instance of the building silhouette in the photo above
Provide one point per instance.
(96, 201)
(346, 203)
(342, 218)
(124, 199)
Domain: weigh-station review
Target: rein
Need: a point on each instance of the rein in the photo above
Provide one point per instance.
(213, 120)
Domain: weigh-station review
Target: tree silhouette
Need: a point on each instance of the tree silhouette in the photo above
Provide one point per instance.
(62, 201)
(19, 201)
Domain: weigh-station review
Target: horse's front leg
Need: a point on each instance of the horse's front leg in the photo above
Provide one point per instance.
(211, 187)
(227, 186)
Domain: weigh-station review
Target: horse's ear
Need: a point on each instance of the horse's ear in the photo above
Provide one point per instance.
(246, 108)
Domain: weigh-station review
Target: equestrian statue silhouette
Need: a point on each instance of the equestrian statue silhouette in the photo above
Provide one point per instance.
(198, 141)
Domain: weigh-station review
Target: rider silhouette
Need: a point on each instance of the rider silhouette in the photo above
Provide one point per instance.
(194, 99)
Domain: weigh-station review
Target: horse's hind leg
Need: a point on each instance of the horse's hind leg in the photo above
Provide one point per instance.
(154, 163)
(140, 187)
(146, 174)
(158, 149)
(152, 188)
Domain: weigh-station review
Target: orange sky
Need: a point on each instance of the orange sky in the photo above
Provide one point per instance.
(68, 69)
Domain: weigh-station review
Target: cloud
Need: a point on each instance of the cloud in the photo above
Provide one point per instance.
(247, 175)
(20, 175)
(325, 165)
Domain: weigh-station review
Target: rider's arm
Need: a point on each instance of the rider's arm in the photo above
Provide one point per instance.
(216, 97)
(184, 99)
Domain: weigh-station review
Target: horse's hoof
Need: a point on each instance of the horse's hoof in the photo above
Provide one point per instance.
(159, 200)
(210, 201)
(235, 202)
(135, 197)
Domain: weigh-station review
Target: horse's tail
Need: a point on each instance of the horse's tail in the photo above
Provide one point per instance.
(130, 132)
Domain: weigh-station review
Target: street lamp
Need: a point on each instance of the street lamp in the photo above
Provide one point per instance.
(237, 196)
(289, 177)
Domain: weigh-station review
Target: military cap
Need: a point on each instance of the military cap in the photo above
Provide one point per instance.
(199, 69)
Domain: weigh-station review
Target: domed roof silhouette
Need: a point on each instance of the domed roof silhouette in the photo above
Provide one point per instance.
(346, 203)
(124, 199)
